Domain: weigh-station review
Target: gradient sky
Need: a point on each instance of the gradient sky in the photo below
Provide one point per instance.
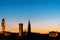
(43, 14)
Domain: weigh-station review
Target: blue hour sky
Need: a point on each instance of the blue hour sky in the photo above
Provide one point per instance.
(44, 14)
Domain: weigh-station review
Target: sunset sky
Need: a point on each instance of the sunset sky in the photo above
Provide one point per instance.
(44, 15)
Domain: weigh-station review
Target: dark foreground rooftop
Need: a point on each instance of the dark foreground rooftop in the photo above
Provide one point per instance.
(31, 36)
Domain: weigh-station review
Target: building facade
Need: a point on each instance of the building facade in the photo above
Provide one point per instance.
(53, 34)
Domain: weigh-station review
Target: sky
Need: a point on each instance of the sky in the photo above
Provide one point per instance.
(44, 15)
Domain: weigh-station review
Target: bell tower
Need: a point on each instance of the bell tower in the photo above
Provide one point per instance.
(20, 29)
(3, 25)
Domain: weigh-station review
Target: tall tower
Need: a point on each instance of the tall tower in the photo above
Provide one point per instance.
(29, 27)
(3, 25)
(20, 29)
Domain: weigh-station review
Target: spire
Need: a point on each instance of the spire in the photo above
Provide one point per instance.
(3, 19)
(29, 27)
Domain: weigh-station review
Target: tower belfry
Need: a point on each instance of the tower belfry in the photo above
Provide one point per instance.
(3, 25)
(29, 27)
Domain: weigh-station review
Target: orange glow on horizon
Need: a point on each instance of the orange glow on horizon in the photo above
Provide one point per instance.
(42, 28)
